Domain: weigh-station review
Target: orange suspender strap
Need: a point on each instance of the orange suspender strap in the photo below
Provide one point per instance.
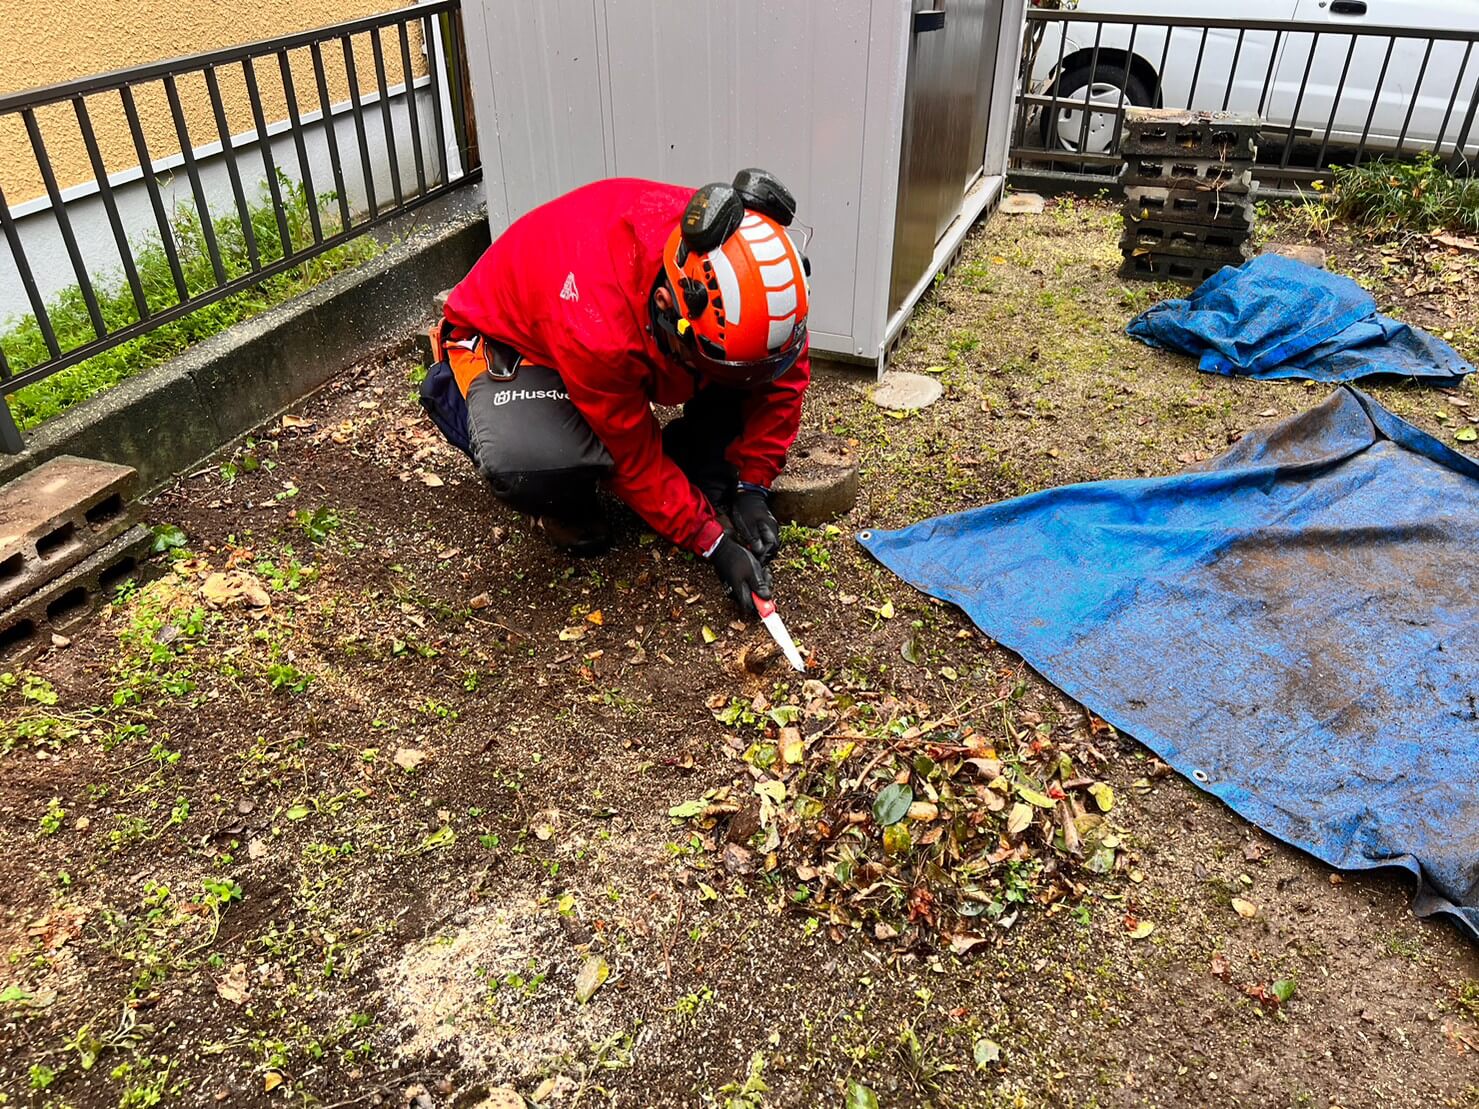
(467, 357)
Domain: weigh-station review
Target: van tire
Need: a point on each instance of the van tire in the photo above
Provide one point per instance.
(1073, 81)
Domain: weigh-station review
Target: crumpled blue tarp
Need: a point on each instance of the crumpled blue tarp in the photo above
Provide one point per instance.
(1294, 625)
(1274, 317)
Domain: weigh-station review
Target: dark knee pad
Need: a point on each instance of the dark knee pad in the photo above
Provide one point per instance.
(531, 444)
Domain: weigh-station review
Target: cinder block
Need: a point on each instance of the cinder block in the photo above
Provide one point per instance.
(1208, 174)
(1172, 132)
(1170, 267)
(1208, 208)
(1186, 239)
(26, 628)
(54, 516)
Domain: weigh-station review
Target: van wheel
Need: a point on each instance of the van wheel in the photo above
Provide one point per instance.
(1063, 125)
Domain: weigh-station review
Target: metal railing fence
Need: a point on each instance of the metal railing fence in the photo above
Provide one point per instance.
(425, 45)
(1326, 92)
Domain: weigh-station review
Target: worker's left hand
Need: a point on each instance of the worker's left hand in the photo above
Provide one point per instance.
(754, 524)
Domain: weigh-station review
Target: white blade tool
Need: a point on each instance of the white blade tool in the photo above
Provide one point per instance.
(773, 624)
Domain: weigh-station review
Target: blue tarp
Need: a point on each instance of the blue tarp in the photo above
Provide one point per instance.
(1294, 626)
(1274, 317)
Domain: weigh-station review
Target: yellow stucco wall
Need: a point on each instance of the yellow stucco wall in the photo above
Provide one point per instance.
(81, 37)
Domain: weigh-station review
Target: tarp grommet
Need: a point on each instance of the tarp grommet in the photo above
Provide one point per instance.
(1200, 775)
(865, 535)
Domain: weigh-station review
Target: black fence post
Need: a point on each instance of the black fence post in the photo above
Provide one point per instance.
(203, 276)
(1460, 157)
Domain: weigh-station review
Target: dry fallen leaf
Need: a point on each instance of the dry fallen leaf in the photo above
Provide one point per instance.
(430, 479)
(504, 1097)
(1019, 818)
(1138, 929)
(596, 618)
(256, 849)
(222, 590)
(296, 421)
(271, 1081)
(592, 974)
(1245, 909)
(482, 600)
(409, 758)
(233, 985)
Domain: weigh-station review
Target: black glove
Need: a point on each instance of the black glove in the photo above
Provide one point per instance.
(741, 573)
(755, 524)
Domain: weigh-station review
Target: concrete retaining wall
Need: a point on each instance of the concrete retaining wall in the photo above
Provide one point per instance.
(169, 418)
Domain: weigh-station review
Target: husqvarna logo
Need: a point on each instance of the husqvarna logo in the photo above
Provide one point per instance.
(500, 399)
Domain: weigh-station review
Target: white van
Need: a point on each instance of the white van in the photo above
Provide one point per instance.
(1274, 74)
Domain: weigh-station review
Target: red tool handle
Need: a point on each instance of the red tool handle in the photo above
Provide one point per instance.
(762, 606)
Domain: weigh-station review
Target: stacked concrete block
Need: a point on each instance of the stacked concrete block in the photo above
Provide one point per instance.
(66, 538)
(1189, 192)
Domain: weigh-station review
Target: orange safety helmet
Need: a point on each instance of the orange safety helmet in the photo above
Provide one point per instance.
(738, 281)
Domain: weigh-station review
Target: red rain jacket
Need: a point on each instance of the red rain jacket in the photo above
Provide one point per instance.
(567, 286)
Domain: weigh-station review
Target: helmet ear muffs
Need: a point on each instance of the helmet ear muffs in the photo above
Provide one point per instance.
(695, 297)
(761, 191)
(712, 215)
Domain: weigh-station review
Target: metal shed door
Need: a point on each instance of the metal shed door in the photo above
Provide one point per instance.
(943, 109)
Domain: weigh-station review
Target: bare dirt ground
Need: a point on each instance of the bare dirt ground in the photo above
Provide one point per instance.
(366, 797)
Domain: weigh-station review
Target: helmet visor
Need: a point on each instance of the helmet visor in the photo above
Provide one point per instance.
(750, 374)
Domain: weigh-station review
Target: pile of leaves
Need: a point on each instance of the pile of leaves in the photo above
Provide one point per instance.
(865, 811)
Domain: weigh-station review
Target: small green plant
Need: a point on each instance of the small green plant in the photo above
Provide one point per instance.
(51, 820)
(1417, 195)
(41, 1076)
(749, 1094)
(284, 675)
(318, 524)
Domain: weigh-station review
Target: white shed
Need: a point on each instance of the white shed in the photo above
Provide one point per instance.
(888, 119)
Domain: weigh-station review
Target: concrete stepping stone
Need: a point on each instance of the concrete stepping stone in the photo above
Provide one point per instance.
(906, 392)
(1300, 252)
(54, 516)
(1022, 204)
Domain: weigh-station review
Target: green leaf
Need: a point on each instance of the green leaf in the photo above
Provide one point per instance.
(1284, 988)
(910, 650)
(1032, 797)
(1103, 795)
(1466, 434)
(860, 1097)
(167, 537)
(892, 804)
(14, 995)
(986, 1052)
(297, 812)
(442, 837)
(896, 839)
(687, 810)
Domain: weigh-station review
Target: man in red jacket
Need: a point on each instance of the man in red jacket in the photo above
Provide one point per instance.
(616, 296)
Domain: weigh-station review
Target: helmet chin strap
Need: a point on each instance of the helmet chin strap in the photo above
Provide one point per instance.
(664, 327)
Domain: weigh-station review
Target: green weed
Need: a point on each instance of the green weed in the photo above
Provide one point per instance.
(1420, 195)
(25, 347)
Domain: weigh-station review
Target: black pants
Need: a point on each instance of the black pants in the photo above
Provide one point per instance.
(540, 457)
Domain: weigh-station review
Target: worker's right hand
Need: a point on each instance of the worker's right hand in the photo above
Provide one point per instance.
(742, 574)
